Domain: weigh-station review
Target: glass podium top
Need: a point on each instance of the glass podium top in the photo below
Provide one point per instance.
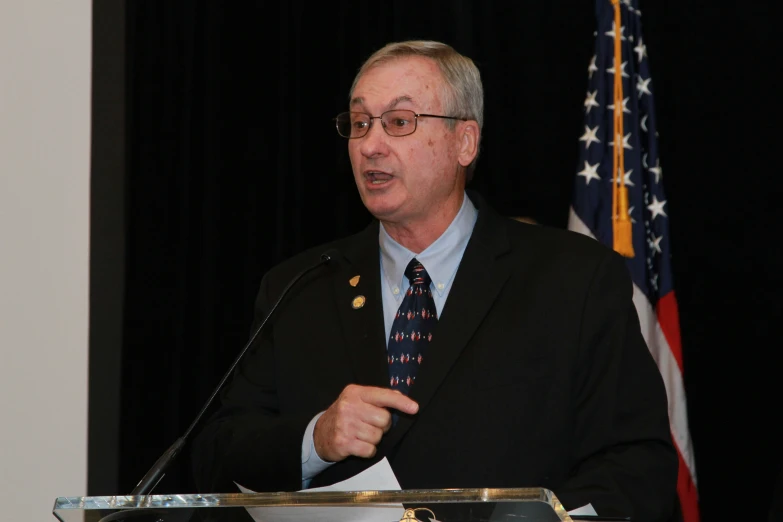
(441, 505)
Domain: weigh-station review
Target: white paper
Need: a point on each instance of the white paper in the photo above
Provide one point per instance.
(378, 477)
(584, 510)
(375, 478)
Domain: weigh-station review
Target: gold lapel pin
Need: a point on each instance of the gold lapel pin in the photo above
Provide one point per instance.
(354, 280)
(358, 302)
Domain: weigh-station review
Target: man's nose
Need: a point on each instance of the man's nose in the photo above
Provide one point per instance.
(375, 142)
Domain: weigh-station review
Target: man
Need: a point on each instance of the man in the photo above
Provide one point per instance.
(469, 349)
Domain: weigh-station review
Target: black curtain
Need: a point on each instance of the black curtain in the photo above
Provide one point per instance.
(233, 165)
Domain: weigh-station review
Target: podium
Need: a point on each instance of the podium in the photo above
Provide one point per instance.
(441, 505)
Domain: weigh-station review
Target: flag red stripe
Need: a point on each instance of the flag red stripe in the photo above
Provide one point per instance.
(668, 318)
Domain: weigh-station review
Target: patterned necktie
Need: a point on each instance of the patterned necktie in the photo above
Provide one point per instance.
(411, 331)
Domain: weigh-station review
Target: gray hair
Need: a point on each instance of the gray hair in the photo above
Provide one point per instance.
(463, 95)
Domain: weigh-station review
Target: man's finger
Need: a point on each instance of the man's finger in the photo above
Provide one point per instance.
(362, 449)
(387, 398)
(369, 434)
(386, 427)
(375, 416)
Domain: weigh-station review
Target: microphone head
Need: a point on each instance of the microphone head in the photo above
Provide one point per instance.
(329, 255)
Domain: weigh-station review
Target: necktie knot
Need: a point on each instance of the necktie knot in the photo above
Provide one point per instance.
(417, 274)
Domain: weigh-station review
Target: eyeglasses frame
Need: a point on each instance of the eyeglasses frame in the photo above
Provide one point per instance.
(416, 117)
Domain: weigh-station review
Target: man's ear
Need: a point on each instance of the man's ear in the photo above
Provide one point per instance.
(468, 142)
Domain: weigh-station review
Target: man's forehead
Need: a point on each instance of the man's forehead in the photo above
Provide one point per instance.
(409, 80)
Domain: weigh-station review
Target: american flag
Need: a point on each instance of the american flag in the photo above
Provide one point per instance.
(619, 178)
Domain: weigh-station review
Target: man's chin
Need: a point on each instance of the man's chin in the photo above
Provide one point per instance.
(381, 206)
(383, 213)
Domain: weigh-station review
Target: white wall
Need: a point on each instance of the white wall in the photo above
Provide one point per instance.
(45, 61)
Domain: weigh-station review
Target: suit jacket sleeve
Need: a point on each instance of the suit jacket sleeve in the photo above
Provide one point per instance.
(248, 441)
(626, 462)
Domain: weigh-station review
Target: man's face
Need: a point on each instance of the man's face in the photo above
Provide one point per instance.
(409, 179)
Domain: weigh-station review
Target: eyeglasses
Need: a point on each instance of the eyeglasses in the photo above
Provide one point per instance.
(397, 123)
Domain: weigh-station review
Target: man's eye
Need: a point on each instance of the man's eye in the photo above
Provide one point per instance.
(359, 124)
(400, 122)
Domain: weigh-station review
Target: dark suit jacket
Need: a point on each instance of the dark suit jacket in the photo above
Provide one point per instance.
(537, 375)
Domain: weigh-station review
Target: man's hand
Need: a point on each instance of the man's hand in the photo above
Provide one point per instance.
(356, 421)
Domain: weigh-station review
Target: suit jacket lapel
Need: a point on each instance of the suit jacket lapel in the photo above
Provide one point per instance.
(480, 277)
(363, 325)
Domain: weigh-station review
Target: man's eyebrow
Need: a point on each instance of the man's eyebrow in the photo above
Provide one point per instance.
(399, 99)
(359, 102)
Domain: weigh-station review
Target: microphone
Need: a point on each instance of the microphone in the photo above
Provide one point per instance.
(158, 470)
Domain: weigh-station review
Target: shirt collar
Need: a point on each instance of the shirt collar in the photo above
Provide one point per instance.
(441, 259)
